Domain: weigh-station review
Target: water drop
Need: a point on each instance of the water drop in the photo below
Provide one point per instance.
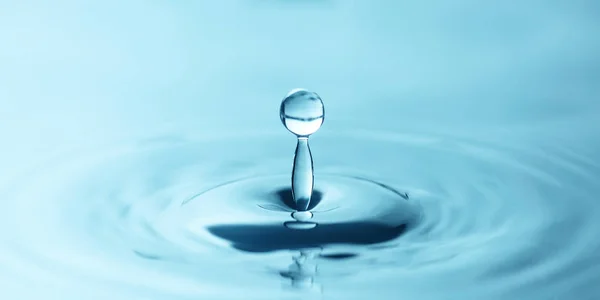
(302, 215)
(302, 113)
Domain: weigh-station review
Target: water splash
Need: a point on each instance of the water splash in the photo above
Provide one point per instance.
(302, 113)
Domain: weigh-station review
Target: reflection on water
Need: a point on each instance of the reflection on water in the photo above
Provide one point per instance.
(303, 271)
(143, 157)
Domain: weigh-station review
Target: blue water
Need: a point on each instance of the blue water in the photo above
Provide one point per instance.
(143, 156)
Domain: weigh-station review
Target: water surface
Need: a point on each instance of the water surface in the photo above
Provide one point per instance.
(143, 156)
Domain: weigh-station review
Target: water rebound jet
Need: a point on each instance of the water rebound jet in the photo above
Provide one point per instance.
(302, 113)
(344, 207)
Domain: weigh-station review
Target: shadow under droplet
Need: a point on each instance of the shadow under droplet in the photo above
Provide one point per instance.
(338, 256)
(287, 199)
(273, 237)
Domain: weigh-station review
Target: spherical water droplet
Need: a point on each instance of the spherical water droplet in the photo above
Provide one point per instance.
(302, 112)
(302, 216)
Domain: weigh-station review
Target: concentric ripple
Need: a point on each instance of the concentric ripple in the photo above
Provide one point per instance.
(418, 216)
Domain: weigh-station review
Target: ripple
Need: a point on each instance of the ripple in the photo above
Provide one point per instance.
(425, 216)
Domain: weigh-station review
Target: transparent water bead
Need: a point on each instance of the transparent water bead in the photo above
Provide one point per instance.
(302, 113)
(302, 216)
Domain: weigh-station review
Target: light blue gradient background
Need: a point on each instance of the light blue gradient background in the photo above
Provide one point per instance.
(84, 73)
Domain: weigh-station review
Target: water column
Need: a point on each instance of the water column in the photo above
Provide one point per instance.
(302, 113)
